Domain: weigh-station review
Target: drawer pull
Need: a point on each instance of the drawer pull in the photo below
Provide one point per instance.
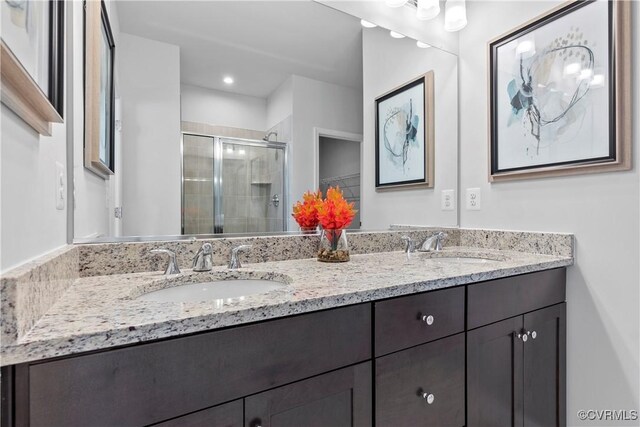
(428, 397)
(533, 334)
(428, 319)
(523, 337)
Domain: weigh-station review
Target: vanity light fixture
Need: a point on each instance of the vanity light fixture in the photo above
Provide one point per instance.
(395, 3)
(455, 15)
(422, 45)
(396, 35)
(427, 9)
(228, 80)
(367, 24)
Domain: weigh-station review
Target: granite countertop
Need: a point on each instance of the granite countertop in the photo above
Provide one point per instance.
(101, 311)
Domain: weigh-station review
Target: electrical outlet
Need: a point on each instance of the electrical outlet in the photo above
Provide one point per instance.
(474, 199)
(448, 201)
(60, 186)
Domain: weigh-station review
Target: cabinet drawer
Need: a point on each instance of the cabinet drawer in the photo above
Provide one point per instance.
(400, 322)
(500, 299)
(154, 382)
(436, 368)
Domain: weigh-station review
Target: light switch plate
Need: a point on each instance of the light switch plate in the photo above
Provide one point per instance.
(448, 201)
(474, 199)
(60, 186)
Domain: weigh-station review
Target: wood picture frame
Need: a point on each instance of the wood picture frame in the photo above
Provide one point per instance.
(398, 156)
(613, 152)
(99, 142)
(39, 107)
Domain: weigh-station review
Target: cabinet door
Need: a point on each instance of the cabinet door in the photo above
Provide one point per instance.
(339, 398)
(422, 386)
(494, 374)
(227, 415)
(544, 367)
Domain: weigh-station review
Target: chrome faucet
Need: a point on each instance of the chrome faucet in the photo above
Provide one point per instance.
(172, 265)
(410, 245)
(234, 262)
(433, 243)
(202, 260)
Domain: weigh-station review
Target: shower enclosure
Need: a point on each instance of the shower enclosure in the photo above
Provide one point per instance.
(232, 185)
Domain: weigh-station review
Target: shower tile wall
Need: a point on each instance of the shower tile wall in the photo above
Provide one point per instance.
(198, 202)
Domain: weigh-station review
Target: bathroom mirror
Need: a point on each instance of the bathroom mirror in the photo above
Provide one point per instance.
(226, 112)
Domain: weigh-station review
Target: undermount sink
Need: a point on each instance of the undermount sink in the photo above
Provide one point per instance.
(217, 291)
(462, 259)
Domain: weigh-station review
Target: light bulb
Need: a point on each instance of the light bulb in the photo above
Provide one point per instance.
(455, 15)
(396, 35)
(228, 80)
(422, 45)
(427, 9)
(367, 24)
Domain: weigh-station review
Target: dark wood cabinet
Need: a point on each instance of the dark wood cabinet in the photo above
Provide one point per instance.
(416, 319)
(337, 399)
(545, 367)
(150, 383)
(494, 375)
(422, 386)
(492, 354)
(227, 415)
(516, 371)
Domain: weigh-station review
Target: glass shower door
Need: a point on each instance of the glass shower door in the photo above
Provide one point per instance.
(252, 187)
(232, 185)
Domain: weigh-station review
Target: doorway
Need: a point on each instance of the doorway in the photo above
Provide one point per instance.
(340, 164)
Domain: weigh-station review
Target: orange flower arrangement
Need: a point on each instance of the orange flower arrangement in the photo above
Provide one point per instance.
(306, 212)
(334, 213)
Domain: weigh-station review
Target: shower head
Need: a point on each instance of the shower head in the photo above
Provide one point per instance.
(268, 135)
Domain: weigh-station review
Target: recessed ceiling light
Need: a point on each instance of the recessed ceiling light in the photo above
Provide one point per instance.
(396, 35)
(367, 24)
(422, 45)
(228, 80)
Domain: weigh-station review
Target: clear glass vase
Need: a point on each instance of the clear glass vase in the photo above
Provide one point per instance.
(333, 246)
(308, 230)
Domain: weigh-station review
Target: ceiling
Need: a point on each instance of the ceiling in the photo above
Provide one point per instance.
(259, 43)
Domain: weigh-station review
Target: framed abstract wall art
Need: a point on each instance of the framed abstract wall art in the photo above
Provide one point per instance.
(32, 60)
(99, 118)
(559, 93)
(405, 135)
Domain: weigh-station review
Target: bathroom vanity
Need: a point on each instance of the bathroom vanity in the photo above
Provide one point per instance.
(420, 341)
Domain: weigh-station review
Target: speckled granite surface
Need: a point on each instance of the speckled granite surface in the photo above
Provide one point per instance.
(28, 291)
(101, 311)
(118, 258)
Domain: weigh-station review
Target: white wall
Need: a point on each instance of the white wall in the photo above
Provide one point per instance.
(323, 105)
(220, 108)
(601, 209)
(30, 225)
(280, 103)
(389, 63)
(150, 136)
